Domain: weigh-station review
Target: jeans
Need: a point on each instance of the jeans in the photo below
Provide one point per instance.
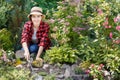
(33, 48)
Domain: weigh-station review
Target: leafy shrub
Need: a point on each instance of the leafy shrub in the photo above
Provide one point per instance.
(5, 39)
(62, 24)
(102, 16)
(8, 73)
(113, 62)
(17, 17)
(50, 77)
(91, 26)
(96, 71)
(62, 54)
(47, 5)
(4, 10)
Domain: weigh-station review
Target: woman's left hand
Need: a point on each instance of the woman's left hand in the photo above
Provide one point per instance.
(39, 59)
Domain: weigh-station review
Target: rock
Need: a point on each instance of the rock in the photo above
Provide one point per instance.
(61, 76)
(108, 78)
(35, 69)
(19, 66)
(67, 72)
(73, 68)
(51, 71)
(106, 73)
(81, 77)
(19, 54)
(64, 66)
(38, 77)
(46, 66)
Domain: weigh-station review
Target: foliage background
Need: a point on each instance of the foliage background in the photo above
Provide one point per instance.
(89, 28)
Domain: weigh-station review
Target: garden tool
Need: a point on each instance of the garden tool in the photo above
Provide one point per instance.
(30, 64)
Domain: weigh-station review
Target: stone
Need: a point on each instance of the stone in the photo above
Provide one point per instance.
(80, 77)
(67, 72)
(46, 66)
(51, 71)
(61, 76)
(38, 77)
(106, 73)
(19, 54)
(64, 66)
(19, 66)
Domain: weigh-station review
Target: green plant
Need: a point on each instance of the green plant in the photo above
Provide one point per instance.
(49, 77)
(5, 39)
(113, 62)
(47, 5)
(69, 78)
(42, 73)
(17, 17)
(62, 54)
(10, 54)
(11, 73)
(78, 70)
(102, 17)
(62, 24)
(4, 13)
(84, 64)
(96, 71)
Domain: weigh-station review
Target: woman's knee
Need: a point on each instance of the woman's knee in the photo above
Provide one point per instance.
(33, 48)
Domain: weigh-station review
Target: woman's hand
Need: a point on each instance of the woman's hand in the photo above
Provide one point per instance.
(39, 59)
(27, 55)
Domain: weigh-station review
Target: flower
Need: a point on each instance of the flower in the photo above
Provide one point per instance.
(116, 41)
(66, 23)
(100, 11)
(110, 35)
(105, 23)
(101, 65)
(87, 71)
(52, 20)
(92, 65)
(69, 16)
(96, 71)
(117, 27)
(55, 28)
(4, 57)
(108, 26)
(117, 19)
(54, 36)
(99, 68)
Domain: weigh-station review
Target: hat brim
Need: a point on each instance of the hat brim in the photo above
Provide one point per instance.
(35, 13)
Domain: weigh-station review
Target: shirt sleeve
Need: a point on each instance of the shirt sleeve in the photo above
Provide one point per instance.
(24, 37)
(44, 38)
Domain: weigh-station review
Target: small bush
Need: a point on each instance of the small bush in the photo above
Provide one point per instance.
(5, 39)
(62, 54)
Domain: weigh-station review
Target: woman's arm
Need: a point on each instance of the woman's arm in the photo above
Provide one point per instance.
(25, 47)
(25, 39)
(40, 50)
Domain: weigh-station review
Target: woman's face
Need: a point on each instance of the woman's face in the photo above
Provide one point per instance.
(36, 19)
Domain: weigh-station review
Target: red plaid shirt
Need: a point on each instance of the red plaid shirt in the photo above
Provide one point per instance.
(42, 34)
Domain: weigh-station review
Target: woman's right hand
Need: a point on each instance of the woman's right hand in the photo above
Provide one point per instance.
(27, 55)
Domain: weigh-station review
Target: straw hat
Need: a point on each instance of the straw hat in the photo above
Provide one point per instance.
(36, 10)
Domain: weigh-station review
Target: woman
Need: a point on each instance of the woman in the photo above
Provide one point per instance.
(35, 34)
